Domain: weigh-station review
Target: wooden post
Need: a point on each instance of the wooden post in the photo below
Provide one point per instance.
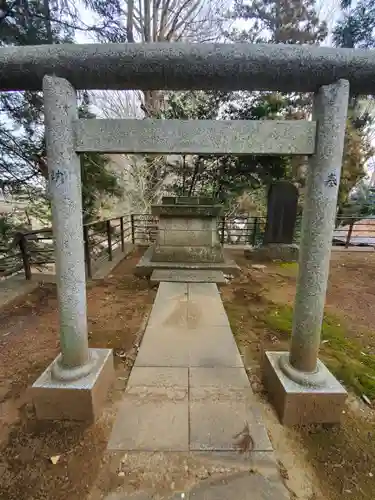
(109, 239)
(25, 256)
(86, 244)
(255, 230)
(349, 235)
(133, 228)
(122, 234)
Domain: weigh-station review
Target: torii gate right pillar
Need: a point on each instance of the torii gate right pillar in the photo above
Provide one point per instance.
(301, 388)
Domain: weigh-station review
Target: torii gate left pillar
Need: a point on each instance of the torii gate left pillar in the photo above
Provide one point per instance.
(75, 385)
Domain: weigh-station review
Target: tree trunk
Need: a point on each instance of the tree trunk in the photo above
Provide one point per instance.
(130, 21)
(47, 21)
(194, 178)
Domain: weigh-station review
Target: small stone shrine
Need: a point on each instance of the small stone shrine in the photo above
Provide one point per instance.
(280, 226)
(187, 237)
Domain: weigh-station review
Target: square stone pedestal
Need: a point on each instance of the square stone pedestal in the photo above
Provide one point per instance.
(80, 399)
(296, 404)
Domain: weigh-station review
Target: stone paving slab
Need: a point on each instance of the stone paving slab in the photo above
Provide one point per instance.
(171, 291)
(204, 291)
(218, 377)
(248, 486)
(264, 462)
(153, 468)
(152, 418)
(151, 376)
(206, 312)
(187, 276)
(171, 312)
(170, 306)
(204, 346)
(188, 306)
(223, 420)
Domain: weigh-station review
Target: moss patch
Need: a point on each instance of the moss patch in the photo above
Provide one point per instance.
(287, 269)
(289, 265)
(343, 355)
(259, 307)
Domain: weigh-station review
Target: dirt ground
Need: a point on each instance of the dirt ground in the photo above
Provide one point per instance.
(342, 456)
(317, 462)
(28, 342)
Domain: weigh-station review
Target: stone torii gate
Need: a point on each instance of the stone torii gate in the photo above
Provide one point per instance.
(75, 384)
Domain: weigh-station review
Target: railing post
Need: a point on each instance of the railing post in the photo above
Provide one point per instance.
(122, 234)
(25, 256)
(349, 235)
(109, 239)
(222, 230)
(255, 230)
(86, 244)
(133, 228)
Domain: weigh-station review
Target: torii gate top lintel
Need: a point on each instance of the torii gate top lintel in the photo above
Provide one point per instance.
(178, 66)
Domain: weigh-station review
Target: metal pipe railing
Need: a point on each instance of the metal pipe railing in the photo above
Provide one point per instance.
(103, 236)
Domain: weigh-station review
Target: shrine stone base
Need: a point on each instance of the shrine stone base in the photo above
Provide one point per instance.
(81, 399)
(298, 404)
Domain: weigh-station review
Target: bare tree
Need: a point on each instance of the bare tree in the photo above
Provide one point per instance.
(174, 20)
(118, 103)
(137, 21)
(147, 21)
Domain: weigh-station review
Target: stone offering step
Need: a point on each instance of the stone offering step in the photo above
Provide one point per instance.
(187, 276)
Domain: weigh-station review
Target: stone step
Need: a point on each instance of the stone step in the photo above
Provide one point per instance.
(146, 265)
(187, 276)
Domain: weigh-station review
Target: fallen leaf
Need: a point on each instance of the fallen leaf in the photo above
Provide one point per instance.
(55, 459)
(244, 441)
(121, 354)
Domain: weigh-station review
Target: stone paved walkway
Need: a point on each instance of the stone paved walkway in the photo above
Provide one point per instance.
(188, 396)
(189, 393)
(188, 390)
